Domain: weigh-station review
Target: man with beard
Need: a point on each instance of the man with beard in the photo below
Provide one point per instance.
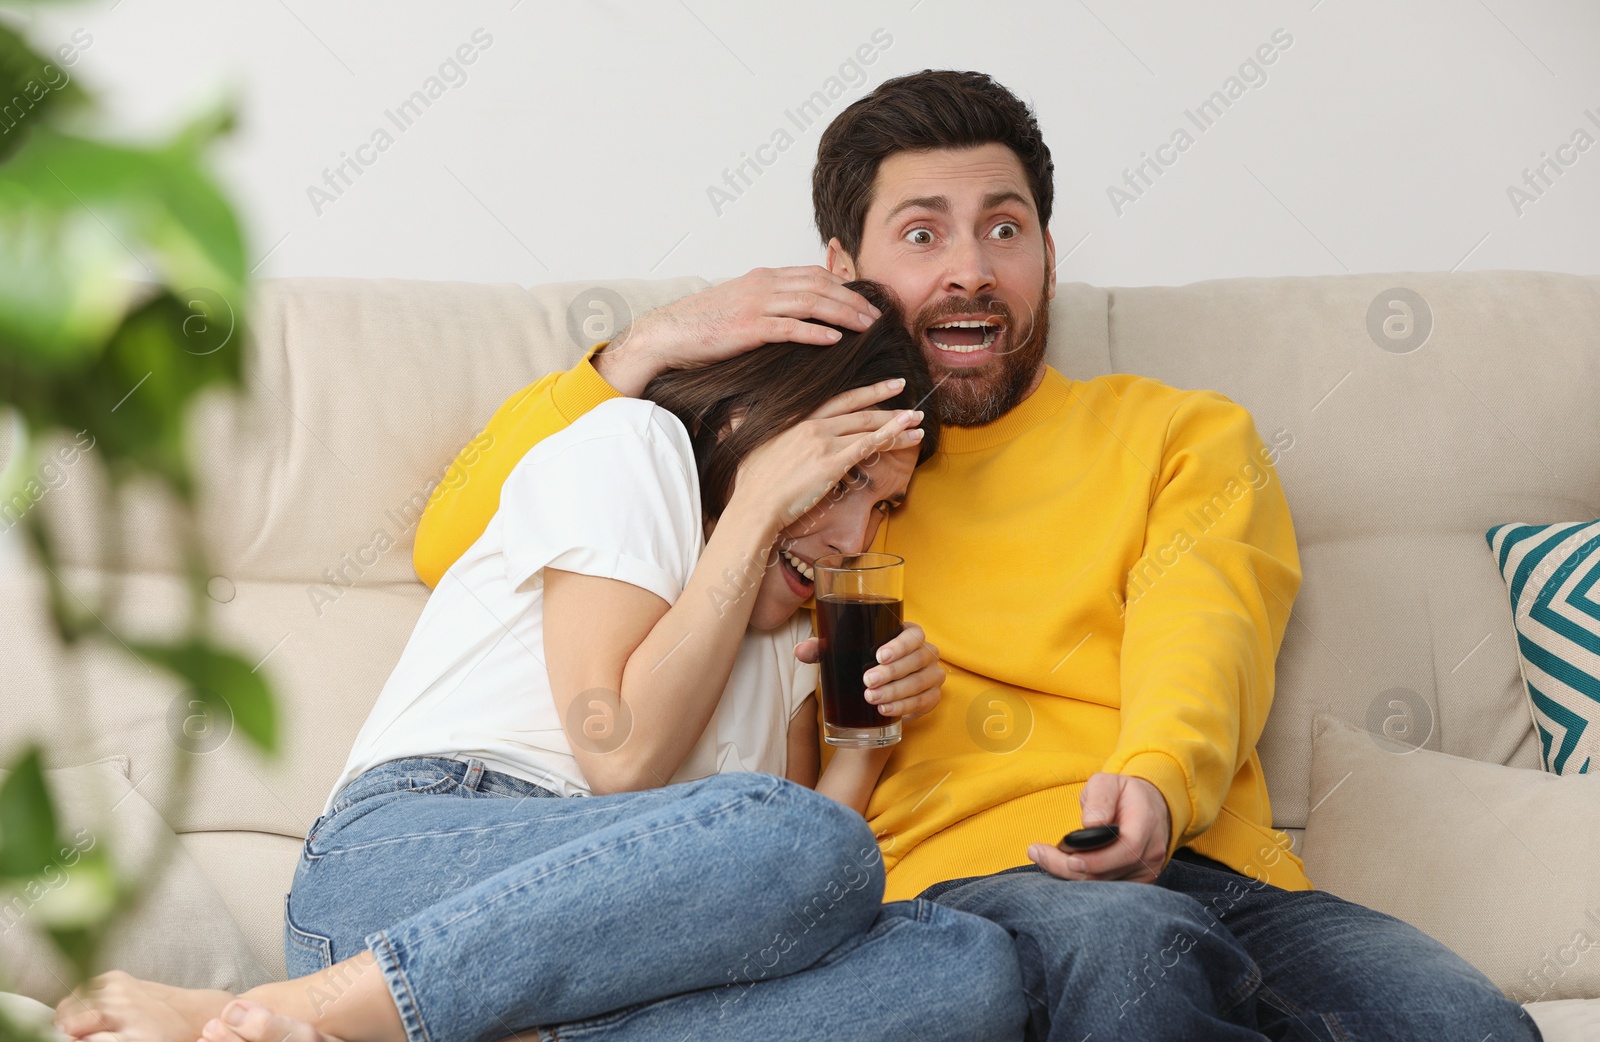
(1070, 700)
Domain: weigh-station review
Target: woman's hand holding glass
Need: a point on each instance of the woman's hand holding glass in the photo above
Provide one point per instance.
(907, 681)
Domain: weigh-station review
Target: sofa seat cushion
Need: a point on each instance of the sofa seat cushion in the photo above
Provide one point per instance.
(1567, 1020)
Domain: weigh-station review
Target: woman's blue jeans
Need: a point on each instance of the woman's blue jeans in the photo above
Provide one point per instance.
(741, 906)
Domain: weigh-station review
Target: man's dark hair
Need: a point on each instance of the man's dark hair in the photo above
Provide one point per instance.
(922, 111)
(778, 385)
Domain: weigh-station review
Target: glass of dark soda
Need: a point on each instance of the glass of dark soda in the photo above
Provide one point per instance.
(859, 599)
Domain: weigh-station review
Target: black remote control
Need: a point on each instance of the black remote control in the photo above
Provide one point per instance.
(1092, 838)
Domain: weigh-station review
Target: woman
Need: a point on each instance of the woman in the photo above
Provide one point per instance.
(623, 631)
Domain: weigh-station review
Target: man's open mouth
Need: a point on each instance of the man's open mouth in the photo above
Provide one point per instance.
(965, 335)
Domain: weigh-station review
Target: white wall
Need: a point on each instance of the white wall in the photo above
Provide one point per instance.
(586, 134)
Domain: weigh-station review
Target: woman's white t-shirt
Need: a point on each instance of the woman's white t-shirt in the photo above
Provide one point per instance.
(616, 495)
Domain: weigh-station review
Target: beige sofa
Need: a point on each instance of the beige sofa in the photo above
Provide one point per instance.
(1396, 455)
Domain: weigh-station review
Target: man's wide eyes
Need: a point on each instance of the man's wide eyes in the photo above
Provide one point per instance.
(923, 237)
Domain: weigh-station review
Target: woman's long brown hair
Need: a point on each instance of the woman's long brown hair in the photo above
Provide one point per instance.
(778, 385)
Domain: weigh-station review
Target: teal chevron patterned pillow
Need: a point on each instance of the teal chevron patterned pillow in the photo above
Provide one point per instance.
(1551, 572)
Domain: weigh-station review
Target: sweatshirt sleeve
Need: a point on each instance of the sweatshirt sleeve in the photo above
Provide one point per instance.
(461, 505)
(1207, 605)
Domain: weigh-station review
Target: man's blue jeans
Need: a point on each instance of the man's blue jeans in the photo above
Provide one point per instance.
(739, 907)
(1208, 953)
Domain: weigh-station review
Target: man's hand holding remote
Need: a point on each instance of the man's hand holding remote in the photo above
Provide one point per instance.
(1144, 827)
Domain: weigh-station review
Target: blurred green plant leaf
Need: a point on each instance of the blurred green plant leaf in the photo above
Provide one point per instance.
(84, 898)
(74, 211)
(224, 680)
(154, 365)
(218, 121)
(84, 346)
(33, 89)
(27, 819)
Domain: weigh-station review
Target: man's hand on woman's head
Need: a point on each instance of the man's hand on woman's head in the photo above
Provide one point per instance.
(1144, 825)
(762, 306)
(907, 681)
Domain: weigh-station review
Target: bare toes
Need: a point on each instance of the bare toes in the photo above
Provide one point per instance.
(260, 1024)
(82, 1022)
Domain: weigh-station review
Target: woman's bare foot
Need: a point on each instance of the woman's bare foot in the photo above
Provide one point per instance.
(257, 1023)
(118, 1007)
(246, 1021)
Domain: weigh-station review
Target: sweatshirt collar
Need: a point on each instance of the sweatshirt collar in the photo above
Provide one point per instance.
(1052, 394)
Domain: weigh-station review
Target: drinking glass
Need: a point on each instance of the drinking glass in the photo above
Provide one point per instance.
(859, 599)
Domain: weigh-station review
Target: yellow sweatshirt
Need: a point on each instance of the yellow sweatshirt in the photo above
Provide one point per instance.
(1107, 572)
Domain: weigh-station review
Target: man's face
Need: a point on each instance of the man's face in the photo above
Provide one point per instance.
(954, 234)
